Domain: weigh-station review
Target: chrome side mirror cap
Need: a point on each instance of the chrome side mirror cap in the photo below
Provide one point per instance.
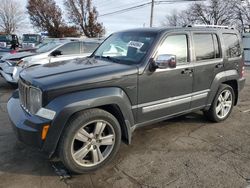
(165, 61)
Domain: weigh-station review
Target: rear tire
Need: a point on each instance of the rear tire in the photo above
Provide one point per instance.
(91, 139)
(222, 105)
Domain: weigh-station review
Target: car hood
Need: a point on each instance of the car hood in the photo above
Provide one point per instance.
(74, 73)
(18, 55)
(36, 56)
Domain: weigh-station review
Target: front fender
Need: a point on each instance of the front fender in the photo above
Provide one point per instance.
(67, 105)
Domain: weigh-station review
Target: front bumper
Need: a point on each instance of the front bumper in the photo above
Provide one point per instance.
(10, 73)
(28, 128)
(7, 77)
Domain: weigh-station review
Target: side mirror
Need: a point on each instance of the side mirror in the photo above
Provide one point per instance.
(56, 53)
(165, 60)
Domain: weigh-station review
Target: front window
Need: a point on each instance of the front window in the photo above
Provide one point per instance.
(48, 47)
(70, 48)
(31, 38)
(175, 45)
(5, 38)
(126, 47)
(89, 47)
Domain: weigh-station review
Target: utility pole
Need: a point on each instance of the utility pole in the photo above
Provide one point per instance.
(152, 13)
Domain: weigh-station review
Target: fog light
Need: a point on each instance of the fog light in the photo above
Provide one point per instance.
(45, 131)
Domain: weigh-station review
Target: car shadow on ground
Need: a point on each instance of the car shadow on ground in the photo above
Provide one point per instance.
(17, 158)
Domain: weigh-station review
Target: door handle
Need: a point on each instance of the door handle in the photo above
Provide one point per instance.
(219, 65)
(187, 71)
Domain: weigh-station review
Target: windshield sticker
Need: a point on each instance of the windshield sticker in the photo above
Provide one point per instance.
(135, 44)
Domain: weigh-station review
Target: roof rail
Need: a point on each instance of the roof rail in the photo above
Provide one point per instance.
(211, 26)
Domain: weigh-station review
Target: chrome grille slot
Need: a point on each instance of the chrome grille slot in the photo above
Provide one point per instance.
(23, 94)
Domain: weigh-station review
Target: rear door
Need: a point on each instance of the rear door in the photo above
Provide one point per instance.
(208, 62)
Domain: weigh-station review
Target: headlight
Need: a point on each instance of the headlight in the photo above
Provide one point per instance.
(20, 63)
(35, 100)
(25, 64)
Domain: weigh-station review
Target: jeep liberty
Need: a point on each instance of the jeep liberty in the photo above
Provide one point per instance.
(81, 110)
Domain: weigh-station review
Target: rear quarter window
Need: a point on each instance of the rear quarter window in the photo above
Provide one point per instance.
(232, 45)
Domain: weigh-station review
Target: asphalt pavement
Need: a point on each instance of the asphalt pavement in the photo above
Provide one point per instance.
(187, 151)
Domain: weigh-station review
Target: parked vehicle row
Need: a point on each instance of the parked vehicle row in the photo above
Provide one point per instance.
(31, 40)
(80, 110)
(6, 40)
(58, 50)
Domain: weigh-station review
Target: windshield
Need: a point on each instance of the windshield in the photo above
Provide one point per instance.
(126, 47)
(31, 38)
(5, 38)
(48, 47)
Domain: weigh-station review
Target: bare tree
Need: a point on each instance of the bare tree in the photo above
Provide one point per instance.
(84, 15)
(177, 19)
(46, 16)
(11, 16)
(215, 12)
(242, 13)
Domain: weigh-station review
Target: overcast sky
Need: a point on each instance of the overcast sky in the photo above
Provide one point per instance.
(132, 19)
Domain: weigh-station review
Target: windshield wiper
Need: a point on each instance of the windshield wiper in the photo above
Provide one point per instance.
(108, 58)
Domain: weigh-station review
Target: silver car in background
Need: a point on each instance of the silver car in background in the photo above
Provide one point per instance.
(49, 53)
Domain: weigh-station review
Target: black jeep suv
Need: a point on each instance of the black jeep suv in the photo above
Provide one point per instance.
(80, 110)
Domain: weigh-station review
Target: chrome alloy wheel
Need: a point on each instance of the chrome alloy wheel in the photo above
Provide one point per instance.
(93, 143)
(224, 104)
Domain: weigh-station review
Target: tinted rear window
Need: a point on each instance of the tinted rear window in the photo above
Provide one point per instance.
(232, 45)
(216, 46)
(206, 46)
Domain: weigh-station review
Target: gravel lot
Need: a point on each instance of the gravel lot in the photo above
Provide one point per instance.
(184, 152)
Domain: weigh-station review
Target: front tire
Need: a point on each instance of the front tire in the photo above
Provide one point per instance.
(91, 139)
(222, 105)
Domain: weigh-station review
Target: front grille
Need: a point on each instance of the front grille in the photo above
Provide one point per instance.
(24, 95)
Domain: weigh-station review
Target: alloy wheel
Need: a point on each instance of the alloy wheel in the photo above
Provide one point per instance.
(224, 104)
(93, 143)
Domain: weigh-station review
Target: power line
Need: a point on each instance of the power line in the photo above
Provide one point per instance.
(112, 8)
(177, 1)
(145, 4)
(152, 3)
(126, 9)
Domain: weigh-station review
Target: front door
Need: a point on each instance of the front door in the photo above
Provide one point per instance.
(68, 51)
(167, 91)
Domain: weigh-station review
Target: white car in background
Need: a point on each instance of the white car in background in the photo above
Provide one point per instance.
(49, 53)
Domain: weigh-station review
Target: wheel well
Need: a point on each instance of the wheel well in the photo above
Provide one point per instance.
(115, 111)
(234, 85)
